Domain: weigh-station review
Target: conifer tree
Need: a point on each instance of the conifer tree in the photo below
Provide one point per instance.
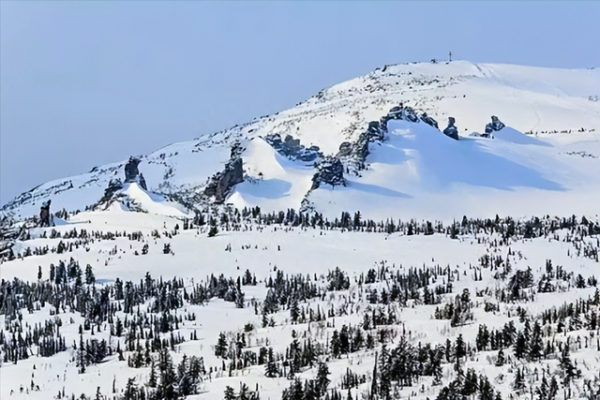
(221, 347)
(271, 366)
(229, 394)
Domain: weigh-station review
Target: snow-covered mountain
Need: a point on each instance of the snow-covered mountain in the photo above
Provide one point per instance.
(414, 171)
(420, 266)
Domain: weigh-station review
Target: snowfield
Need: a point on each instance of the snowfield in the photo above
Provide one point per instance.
(264, 250)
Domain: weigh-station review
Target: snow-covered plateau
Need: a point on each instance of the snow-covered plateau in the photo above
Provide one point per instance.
(358, 245)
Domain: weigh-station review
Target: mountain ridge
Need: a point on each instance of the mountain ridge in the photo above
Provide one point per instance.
(531, 99)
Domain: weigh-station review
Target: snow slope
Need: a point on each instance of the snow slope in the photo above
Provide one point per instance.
(418, 172)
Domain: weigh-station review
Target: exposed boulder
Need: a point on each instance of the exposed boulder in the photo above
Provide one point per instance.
(131, 169)
(399, 113)
(45, 216)
(331, 172)
(429, 121)
(494, 126)
(292, 149)
(220, 184)
(451, 130)
(132, 173)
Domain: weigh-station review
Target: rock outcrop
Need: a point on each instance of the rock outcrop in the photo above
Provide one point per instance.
(45, 216)
(132, 173)
(399, 113)
(360, 149)
(131, 169)
(494, 126)
(114, 186)
(331, 172)
(355, 153)
(220, 184)
(451, 130)
(429, 121)
(292, 149)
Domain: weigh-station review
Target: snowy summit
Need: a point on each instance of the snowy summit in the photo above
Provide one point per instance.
(551, 118)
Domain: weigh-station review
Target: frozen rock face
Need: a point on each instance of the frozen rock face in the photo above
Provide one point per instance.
(451, 130)
(429, 120)
(355, 153)
(493, 126)
(45, 219)
(131, 169)
(132, 173)
(399, 112)
(331, 172)
(360, 148)
(220, 184)
(292, 149)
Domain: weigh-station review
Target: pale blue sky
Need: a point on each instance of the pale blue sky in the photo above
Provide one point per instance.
(88, 83)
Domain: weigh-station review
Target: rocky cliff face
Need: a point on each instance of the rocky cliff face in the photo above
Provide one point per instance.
(354, 154)
(131, 169)
(132, 173)
(331, 172)
(292, 149)
(220, 184)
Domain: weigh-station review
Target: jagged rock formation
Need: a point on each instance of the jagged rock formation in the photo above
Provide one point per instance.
(331, 172)
(451, 130)
(337, 114)
(400, 113)
(220, 184)
(493, 126)
(359, 150)
(45, 216)
(429, 120)
(292, 149)
(114, 186)
(132, 173)
(355, 153)
(131, 169)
